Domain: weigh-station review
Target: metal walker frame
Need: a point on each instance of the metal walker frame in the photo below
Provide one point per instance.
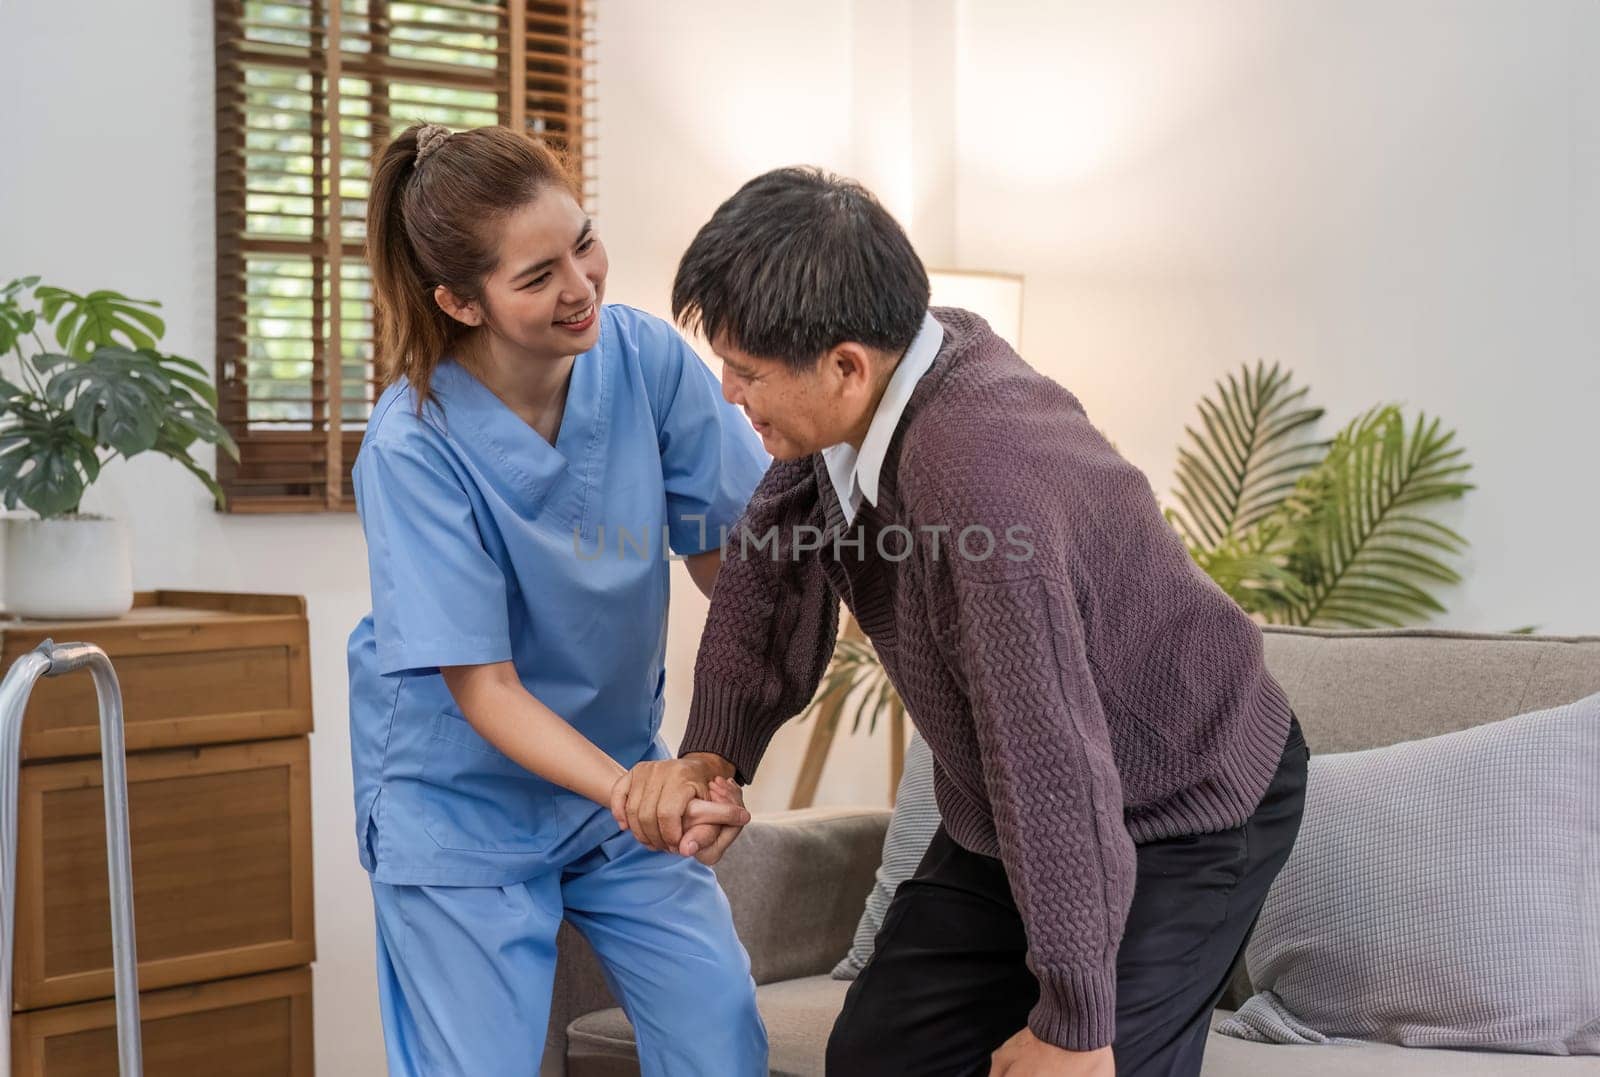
(55, 660)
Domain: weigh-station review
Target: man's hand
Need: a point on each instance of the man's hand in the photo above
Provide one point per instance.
(1026, 1055)
(659, 801)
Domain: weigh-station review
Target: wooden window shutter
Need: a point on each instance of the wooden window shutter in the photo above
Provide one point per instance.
(306, 91)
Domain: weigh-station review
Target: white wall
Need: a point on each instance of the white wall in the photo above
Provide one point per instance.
(1398, 201)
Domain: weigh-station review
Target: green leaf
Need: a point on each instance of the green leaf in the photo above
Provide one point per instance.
(200, 387)
(1366, 555)
(176, 448)
(176, 452)
(42, 458)
(15, 320)
(178, 433)
(1254, 446)
(51, 300)
(205, 426)
(119, 415)
(53, 487)
(1299, 531)
(41, 468)
(99, 319)
(144, 363)
(44, 362)
(14, 453)
(1258, 580)
(186, 364)
(113, 399)
(88, 459)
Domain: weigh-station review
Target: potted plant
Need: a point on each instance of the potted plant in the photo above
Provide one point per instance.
(102, 391)
(1306, 531)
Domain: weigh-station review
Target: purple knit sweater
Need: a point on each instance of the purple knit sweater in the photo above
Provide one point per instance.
(1082, 688)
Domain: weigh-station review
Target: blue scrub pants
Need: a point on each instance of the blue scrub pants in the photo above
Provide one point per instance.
(465, 973)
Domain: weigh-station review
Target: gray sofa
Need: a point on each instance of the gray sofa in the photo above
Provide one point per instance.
(797, 880)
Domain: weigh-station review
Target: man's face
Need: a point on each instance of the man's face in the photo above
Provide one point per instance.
(800, 412)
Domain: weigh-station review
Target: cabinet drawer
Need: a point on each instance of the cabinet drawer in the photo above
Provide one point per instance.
(256, 1026)
(194, 669)
(221, 869)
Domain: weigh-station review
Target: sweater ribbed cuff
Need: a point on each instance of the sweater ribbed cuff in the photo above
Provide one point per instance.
(1077, 1010)
(728, 723)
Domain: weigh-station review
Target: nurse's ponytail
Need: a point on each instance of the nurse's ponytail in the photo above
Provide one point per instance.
(433, 218)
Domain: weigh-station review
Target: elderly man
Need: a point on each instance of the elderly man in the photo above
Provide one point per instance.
(1119, 777)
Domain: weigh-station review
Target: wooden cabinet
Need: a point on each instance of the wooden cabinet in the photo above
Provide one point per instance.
(216, 695)
(195, 668)
(256, 1026)
(221, 869)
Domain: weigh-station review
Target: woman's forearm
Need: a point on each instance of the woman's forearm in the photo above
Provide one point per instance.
(508, 716)
(703, 569)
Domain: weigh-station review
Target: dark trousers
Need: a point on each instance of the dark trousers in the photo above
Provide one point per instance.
(948, 982)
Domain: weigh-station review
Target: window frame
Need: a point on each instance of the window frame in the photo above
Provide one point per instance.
(541, 81)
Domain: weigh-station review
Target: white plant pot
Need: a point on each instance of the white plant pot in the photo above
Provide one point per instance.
(76, 566)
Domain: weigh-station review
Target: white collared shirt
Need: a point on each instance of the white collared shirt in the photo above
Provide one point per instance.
(855, 475)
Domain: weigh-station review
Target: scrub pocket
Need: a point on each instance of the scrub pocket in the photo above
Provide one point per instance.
(479, 800)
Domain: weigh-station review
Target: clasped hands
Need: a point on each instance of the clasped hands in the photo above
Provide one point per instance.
(682, 806)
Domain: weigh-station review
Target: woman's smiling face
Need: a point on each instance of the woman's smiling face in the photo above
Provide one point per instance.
(544, 294)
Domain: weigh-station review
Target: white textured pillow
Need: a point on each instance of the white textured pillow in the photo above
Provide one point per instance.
(911, 828)
(1443, 893)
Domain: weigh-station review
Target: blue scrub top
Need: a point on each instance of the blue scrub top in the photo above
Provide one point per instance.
(485, 544)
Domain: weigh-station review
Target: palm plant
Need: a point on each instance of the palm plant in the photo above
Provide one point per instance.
(1233, 479)
(1307, 532)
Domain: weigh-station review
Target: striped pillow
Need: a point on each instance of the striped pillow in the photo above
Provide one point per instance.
(911, 829)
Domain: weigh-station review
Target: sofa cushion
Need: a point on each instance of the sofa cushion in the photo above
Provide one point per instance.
(1442, 894)
(798, 1014)
(796, 882)
(911, 830)
(1227, 1057)
(1367, 689)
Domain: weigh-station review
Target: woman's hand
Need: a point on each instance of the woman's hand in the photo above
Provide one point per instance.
(707, 843)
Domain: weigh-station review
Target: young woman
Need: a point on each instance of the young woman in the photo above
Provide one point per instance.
(534, 462)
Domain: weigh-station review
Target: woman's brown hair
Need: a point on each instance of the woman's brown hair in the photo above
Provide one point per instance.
(436, 197)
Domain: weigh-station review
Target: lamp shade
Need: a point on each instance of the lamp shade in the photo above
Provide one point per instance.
(995, 297)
